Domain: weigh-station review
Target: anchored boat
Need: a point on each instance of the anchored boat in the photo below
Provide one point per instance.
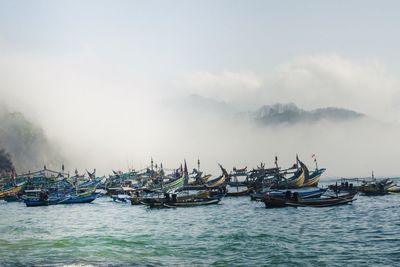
(295, 201)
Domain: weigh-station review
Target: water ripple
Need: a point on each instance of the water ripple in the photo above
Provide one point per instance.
(237, 232)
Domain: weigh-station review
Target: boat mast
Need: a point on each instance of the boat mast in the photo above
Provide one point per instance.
(315, 160)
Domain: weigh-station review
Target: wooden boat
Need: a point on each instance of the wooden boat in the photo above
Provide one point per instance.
(192, 202)
(313, 178)
(158, 199)
(41, 198)
(120, 198)
(238, 193)
(305, 192)
(295, 201)
(296, 181)
(11, 191)
(124, 194)
(376, 187)
(169, 186)
(219, 183)
(12, 198)
(394, 189)
(135, 200)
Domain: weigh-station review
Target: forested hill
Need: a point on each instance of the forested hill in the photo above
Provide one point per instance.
(25, 142)
(291, 114)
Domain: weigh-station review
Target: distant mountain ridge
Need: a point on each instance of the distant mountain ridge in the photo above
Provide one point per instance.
(291, 114)
(269, 115)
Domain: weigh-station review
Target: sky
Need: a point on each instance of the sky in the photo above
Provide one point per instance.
(107, 80)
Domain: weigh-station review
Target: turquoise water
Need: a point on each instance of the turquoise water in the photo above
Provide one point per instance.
(236, 232)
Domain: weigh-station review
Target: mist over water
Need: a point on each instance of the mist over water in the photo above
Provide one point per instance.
(104, 118)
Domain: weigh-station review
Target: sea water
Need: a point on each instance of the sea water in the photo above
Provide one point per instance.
(236, 232)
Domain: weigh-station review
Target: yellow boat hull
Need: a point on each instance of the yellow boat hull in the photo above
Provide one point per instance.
(11, 191)
(312, 182)
(297, 183)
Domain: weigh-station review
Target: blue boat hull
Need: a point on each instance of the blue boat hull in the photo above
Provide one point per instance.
(71, 200)
(303, 193)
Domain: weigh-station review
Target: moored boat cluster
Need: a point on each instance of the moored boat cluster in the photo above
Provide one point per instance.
(156, 186)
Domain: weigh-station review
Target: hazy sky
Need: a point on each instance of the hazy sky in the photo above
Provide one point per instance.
(98, 75)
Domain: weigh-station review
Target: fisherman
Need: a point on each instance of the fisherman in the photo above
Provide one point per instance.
(296, 196)
(381, 188)
(43, 196)
(166, 197)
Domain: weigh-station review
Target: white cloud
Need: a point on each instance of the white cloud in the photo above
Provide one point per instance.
(103, 115)
(331, 80)
(310, 82)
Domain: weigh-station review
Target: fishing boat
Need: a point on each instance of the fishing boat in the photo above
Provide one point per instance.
(237, 184)
(216, 186)
(217, 182)
(124, 195)
(294, 200)
(376, 187)
(394, 189)
(45, 192)
(238, 193)
(11, 191)
(281, 181)
(192, 202)
(313, 178)
(36, 198)
(157, 199)
(13, 198)
(305, 192)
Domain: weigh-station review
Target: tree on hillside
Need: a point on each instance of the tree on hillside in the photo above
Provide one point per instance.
(6, 165)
